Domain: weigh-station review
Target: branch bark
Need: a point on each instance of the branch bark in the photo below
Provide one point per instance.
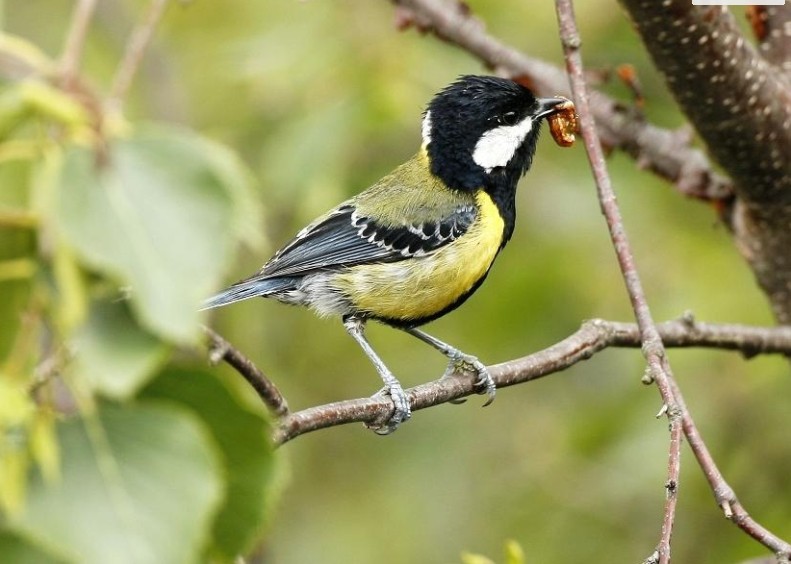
(774, 39)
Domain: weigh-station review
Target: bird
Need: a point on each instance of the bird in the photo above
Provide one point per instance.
(419, 242)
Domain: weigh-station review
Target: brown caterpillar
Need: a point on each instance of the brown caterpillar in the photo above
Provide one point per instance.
(563, 124)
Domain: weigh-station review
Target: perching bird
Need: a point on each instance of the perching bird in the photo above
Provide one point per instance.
(415, 245)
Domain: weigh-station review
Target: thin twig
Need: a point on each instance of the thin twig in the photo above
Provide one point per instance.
(220, 349)
(653, 349)
(133, 54)
(593, 336)
(75, 41)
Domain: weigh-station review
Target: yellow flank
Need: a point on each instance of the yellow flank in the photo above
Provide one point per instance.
(421, 287)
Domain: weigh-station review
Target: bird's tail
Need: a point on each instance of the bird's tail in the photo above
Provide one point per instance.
(250, 288)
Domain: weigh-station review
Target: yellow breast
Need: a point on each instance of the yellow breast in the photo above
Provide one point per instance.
(421, 287)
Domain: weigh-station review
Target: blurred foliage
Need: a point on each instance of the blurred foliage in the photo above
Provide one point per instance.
(513, 555)
(119, 445)
(114, 446)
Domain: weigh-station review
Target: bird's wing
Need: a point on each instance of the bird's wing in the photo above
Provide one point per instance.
(345, 238)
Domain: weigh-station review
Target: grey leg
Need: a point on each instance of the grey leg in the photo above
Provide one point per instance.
(402, 411)
(460, 360)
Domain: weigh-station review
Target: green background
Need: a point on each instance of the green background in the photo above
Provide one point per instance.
(320, 99)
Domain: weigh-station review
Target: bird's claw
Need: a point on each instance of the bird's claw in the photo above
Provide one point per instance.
(460, 362)
(401, 410)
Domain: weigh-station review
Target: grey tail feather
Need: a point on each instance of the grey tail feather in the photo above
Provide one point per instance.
(250, 288)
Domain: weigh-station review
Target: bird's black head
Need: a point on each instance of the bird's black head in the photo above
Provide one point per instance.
(482, 130)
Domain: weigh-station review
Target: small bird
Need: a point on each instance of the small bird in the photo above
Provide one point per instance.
(419, 242)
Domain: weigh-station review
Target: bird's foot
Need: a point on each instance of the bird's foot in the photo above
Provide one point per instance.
(401, 410)
(460, 362)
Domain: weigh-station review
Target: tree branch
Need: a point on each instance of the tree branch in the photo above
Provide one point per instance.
(133, 54)
(592, 337)
(220, 349)
(652, 346)
(666, 153)
(75, 41)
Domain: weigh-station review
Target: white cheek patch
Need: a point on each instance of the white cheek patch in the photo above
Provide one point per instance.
(497, 146)
(425, 129)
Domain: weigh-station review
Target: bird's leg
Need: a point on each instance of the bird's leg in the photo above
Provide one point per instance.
(355, 326)
(460, 361)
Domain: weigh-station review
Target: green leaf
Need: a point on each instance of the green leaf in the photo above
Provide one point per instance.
(162, 214)
(113, 354)
(514, 553)
(247, 209)
(13, 111)
(16, 169)
(71, 307)
(24, 53)
(16, 550)
(470, 558)
(16, 412)
(52, 103)
(243, 438)
(15, 295)
(17, 246)
(139, 485)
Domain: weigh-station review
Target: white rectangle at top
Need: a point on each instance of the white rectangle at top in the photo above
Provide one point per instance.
(738, 2)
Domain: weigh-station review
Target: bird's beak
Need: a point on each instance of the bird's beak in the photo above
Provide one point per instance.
(549, 106)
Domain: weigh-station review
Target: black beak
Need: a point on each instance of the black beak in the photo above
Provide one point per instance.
(549, 106)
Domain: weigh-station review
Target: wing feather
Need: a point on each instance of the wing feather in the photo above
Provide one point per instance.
(344, 238)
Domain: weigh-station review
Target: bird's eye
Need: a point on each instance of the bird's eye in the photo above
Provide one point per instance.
(509, 118)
